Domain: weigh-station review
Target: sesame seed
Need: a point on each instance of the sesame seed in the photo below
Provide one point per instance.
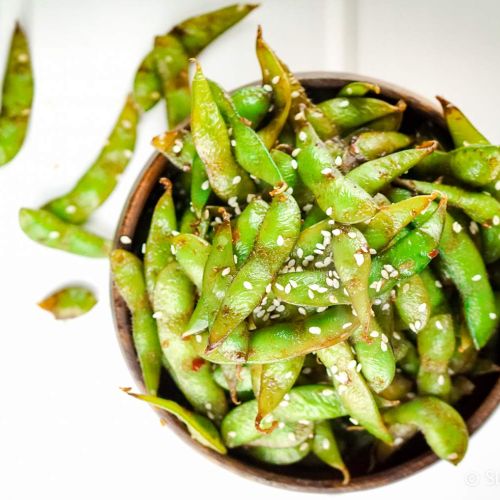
(422, 308)
(295, 94)
(398, 441)
(396, 335)
(352, 364)
(247, 285)
(294, 164)
(198, 338)
(70, 209)
(302, 135)
(315, 330)
(284, 403)
(342, 377)
(231, 434)
(384, 274)
(126, 240)
(374, 334)
(280, 241)
(143, 248)
(233, 143)
(268, 288)
(177, 149)
(497, 185)
(452, 456)
(293, 283)
(345, 326)
(359, 367)
(359, 258)
(295, 152)
(302, 311)
(288, 288)
(329, 211)
(280, 287)
(157, 315)
(386, 306)
(496, 220)
(128, 154)
(333, 370)
(275, 80)
(372, 251)
(457, 227)
(54, 235)
(336, 232)
(473, 227)
(438, 284)
(351, 234)
(338, 161)
(236, 180)
(326, 171)
(492, 315)
(325, 444)
(307, 207)
(226, 271)
(476, 277)
(354, 421)
(343, 103)
(205, 185)
(267, 87)
(173, 250)
(384, 338)
(304, 446)
(418, 325)
(383, 346)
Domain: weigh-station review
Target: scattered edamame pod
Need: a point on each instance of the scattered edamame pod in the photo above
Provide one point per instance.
(69, 302)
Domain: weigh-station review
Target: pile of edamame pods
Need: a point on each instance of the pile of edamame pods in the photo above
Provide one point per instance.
(312, 286)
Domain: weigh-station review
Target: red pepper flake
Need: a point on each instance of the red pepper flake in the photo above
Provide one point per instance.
(197, 364)
(433, 253)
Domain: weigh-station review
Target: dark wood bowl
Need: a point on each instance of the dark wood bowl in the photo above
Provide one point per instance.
(134, 222)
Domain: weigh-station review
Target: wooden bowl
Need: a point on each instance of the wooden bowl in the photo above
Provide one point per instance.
(134, 222)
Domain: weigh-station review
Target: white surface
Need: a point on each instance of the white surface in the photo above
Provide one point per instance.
(66, 431)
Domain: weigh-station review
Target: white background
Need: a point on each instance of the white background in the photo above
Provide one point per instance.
(66, 431)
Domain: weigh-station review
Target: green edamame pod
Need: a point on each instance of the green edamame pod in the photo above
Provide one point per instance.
(477, 166)
(17, 97)
(70, 302)
(370, 145)
(177, 146)
(47, 229)
(96, 185)
(413, 303)
(349, 113)
(211, 139)
(276, 237)
(173, 304)
(276, 379)
(352, 389)
(274, 75)
(436, 345)
(128, 277)
(287, 167)
(247, 227)
(358, 89)
(252, 103)
(200, 428)
(374, 175)
(158, 253)
(285, 435)
(306, 402)
(249, 149)
(341, 199)
(325, 447)
(460, 260)
(461, 129)
(442, 426)
(191, 252)
(480, 207)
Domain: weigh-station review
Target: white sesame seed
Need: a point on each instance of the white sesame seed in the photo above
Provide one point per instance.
(352, 364)
(143, 248)
(236, 179)
(497, 185)
(284, 403)
(288, 288)
(315, 330)
(374, 334)
(384, 274)
(293, 284)
(386, 306)
(336, 232)
(295, 94)
(351, 234)
(452, 456)
(177, 149)
(280, 287)
(53, 235)
(233, 143)
(473, 227)
(495, 220)
(205, 185)
(384, 338)
(173, 250)
(302, 135)
(295, 152)
(304, 446)
(231, 434)
(492, 315)
(70, 209)
(438, 284)
(345, 326)
(476, 277)
(329, 211)
(383, 346)
(372, 251)
(128, 154)
(267, 87)
(422, 307)
(126, 240)
(275, 80)
(342, 377)
(294, 164)
(343, 103)
(441, 380)
(338, 161)
(325, 444)
(359, 367)
(457, 227)
(302, 311)
(354, 421)
(418, 325)
(247, 285)
(280, 241)
(396, 335)
(157, 315)
(226, 271)
(359, 258)
(398, 441)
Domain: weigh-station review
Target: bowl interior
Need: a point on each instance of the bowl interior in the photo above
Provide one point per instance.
(312, 475)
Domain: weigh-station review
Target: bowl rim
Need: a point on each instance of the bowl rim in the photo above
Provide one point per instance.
(132, 209)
